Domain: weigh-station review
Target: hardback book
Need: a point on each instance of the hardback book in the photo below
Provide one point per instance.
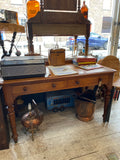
(90, 67)
(85, 59)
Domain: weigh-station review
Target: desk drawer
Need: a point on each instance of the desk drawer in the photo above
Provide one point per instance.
(39, 87)
(87, 81)
(74, 83)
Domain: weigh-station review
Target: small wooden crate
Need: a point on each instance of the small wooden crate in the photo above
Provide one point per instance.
(56, 57)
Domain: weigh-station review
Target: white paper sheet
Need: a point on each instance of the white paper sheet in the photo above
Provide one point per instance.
(62, 70)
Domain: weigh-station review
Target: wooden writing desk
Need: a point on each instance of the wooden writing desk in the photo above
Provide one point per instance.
(17, 87)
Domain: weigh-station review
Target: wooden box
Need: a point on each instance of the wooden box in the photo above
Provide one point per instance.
(56, 57)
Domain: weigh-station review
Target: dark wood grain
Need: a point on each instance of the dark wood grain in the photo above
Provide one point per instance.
(4, 131)
(60, 5)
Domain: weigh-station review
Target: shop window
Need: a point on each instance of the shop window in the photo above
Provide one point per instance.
(86, 2)
(106, 24)
(16, 1)
(22, 21)
(106, 4)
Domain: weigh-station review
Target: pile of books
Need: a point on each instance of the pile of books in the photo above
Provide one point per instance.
(84, 60)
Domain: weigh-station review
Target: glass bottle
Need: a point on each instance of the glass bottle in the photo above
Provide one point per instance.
(84, 10)
(17, 18)
(33, 7)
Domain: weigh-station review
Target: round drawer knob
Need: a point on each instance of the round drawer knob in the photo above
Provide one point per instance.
(24, 88)
(53, 85)
(77, 82)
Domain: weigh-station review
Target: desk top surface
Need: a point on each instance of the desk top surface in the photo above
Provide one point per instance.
(50, 76)
(10, 27)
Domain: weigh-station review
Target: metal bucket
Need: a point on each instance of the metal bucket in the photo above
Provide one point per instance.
(84, 110)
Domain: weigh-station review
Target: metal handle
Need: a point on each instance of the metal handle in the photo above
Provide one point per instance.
(53, 85)
(77, 82)
(99, 82)
(24, 88)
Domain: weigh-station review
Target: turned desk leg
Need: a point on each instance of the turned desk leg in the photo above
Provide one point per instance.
(87, 37)
(9, 100)
(107, 104)
(30, 40)
(13, 124)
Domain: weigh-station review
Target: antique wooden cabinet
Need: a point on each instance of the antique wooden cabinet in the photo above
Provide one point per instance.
(4, 130)
(58, 18)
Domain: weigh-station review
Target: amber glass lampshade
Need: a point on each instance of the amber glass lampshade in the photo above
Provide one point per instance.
(84, 10)
(33, 7)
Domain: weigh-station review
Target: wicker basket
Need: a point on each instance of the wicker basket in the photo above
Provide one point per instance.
(111, 62)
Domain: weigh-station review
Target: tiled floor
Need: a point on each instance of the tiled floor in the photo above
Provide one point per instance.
(63, 137)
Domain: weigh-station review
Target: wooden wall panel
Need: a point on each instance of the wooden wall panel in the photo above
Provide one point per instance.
(60, 4)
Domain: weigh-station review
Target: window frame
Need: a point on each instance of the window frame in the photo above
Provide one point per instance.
(16, 2)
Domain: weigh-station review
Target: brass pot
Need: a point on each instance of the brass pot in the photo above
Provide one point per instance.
(84, 110)
(32, 119)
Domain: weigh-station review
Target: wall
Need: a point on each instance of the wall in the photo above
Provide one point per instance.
(96, 14)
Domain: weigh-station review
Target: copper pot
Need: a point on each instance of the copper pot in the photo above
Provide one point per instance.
(32, 119)
(84, 110)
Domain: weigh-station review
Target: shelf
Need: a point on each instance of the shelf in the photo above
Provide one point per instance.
(9, 27)
(59, 29)
(58, 24)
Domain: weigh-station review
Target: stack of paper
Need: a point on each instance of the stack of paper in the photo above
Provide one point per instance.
(62, 70)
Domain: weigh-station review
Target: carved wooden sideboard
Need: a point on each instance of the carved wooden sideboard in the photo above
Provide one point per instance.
(53, 21)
